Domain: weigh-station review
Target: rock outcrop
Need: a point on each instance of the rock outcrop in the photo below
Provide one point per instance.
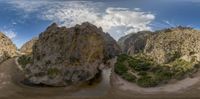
(166, 45)
(7, 48)
(64, 56)
(134, 42)
(28, 46)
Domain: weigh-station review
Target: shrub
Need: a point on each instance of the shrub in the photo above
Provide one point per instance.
(52, 72)
(24, 60)
(120, 68)
(163, 75)
(147, 73)
(139, 65)
(122, 58)
(142, 66)
(147, 81)
(142, 73)
(129, 77)
(181, 65)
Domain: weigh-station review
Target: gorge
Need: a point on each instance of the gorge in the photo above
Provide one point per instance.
(68, 60)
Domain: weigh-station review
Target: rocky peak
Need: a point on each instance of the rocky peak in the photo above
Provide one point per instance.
(64, 56)
(52, 26)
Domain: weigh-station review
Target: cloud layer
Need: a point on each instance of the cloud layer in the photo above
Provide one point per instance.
(116, 21)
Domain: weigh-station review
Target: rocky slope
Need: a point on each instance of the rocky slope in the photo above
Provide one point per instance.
(169, 44)
(64, 56)
(165, 45)
(153, 59)
(7, 48)
(27, 47)
(134, 43)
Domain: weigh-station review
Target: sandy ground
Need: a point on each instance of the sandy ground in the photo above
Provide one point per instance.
(11, 88)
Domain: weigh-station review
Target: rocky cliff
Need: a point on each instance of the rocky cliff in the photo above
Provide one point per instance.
(165, 45)
(27, 47)
(134, 43)
(7, 48)
(64, 56)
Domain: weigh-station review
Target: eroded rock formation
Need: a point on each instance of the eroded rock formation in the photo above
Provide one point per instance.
(64, 56)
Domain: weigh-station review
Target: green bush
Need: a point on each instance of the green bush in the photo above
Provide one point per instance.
(142, 73)
(181, 65)
(142, 66)
(139, 65)
(24, 60)
(147, 81)
(147, 73)
(122, 58)
(163, 75)
(120, 68)
(129, 77)
(181, 68)
(52, 72)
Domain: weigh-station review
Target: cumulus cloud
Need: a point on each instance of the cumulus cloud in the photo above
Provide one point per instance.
(116, 21)
(9, 33)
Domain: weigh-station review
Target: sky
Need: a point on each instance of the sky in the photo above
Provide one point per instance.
(21, 20)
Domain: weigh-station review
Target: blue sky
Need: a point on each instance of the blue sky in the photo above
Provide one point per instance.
(22, 20)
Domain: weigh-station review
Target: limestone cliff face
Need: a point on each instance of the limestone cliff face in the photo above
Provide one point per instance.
(7, 48)
(134, 43)
(169, 44)
(28, 46)
(64, 56)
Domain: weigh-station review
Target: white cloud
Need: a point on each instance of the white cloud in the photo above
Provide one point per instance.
(116, 21)
(9, 33)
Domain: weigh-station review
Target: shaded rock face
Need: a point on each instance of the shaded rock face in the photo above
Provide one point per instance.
(169, 44)
(28, 46)
(7, 48)
(64, 56)
(134, 43)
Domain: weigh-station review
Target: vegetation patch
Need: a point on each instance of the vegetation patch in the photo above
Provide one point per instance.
(52, 72)
(143, 71)
(24, 60)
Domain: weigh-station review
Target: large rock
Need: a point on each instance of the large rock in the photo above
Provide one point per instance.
(166, 45)
(7, 48)
(28, 46)
(64, 56)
